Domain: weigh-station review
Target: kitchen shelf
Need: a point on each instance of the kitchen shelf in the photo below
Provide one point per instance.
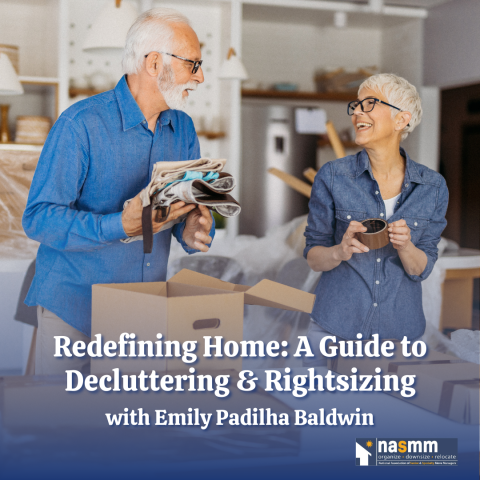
(75, 92)
(38, 80)
(211, 135)
(24, 147)
(44, 86)
(326, 96)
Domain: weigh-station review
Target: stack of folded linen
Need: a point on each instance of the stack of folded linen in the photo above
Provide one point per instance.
(200, 182)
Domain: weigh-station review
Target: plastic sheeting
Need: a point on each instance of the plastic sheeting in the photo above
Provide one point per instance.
(16, 173)
(278, 257)
(258, 257)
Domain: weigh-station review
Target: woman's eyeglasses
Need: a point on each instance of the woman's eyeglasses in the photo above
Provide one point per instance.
(196, 64)
(367, 105)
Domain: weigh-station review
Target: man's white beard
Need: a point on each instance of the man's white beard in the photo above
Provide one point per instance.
(173, 93)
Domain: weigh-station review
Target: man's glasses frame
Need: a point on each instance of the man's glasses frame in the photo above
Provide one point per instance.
(196, 63)
(355, 103)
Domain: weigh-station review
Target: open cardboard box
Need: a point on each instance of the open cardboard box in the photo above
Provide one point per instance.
(186, 308)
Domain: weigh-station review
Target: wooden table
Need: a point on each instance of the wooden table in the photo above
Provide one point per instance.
(461, 268)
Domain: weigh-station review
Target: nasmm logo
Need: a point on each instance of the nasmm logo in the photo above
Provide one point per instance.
(365, 452)
(406, 451)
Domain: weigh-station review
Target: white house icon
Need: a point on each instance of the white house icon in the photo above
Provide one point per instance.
(362, 454)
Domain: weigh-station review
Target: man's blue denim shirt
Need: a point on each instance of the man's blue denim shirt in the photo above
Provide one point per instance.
(372, 292)
(98, 154)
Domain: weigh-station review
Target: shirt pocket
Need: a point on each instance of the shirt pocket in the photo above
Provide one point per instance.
(417, 227)
(343, 219)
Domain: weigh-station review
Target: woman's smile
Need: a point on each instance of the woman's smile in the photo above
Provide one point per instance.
(362, 126)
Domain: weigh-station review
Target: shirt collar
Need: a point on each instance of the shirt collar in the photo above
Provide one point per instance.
(168, 117)
(129, 109)
(411, 171)
(131, 113)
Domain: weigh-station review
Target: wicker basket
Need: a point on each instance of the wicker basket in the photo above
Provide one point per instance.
(12, 53)
(33, 130)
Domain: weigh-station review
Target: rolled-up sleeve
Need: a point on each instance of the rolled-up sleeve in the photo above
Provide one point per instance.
(321, 218)
(430, 239)
(51, 216)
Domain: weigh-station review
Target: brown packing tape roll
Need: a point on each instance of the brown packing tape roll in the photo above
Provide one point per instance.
(376, 235)
(393, 366)
(447, 393)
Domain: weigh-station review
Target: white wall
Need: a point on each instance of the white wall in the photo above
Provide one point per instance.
(37, 43)
(429, 130)
(282, 52)
(402, 54)
(452, 44)
(402, 51)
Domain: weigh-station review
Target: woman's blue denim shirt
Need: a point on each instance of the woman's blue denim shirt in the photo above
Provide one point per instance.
(372, 292)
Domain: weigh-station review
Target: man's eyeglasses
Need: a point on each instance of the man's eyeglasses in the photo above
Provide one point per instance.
(368, 106)
(196, 64)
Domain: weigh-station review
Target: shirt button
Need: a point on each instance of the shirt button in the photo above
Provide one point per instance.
(406, 185)
(379, 260)
(381, 214)
(375, 305)
(148, 264)
(377, 192)
(377, 282)
(144, 121)
(415, 223)
(349, 217)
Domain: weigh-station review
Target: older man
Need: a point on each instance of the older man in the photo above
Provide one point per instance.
(101, 152)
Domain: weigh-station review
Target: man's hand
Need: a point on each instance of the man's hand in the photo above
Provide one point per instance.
(399, 234)
(350, 244)
(132, 216)
(197, 228)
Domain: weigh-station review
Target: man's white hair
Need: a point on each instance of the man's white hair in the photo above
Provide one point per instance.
(399, 92)
(152, 31)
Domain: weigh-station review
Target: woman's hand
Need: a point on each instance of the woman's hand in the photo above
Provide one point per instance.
(350, 244)
(399, 234)
(413, 259)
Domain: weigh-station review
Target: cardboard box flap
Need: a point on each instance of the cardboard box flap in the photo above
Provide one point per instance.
(241, 288)
(271, 294)
(189, 277)
(265, 293)
(147, 288)
(175, 289)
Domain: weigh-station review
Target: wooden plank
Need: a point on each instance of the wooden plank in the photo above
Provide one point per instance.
(293, 182)
(309, 174)
(335, 141)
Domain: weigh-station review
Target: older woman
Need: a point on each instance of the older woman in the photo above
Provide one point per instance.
(366, 291)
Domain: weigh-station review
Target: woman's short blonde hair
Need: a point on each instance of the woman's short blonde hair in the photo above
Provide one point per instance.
(399, 92)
